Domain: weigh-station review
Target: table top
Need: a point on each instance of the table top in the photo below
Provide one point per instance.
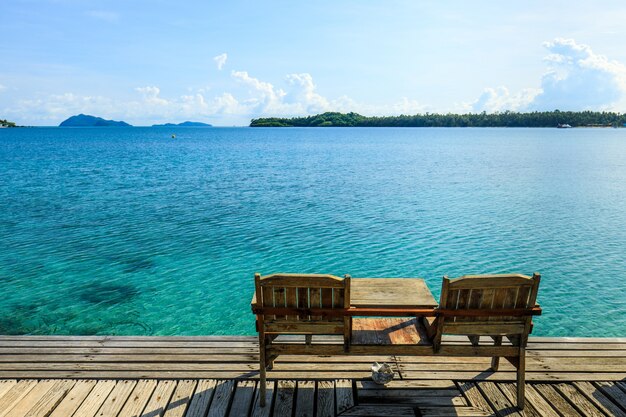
(390, 293)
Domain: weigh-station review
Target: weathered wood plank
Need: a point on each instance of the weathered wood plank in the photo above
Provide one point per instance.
(408, 383)
(370, 410)
(318, 375)
(116, 399)
(305, 401)
(510, 376)
(454, 412)
(554, 397)
(475, 397)
(221, 398)
(199, 405)
(181, 398)
(142, 339)
(419, 397)
(155, 374)
(257, 410)
(137, 357)
(325, 399)
(160, 398)
(74, 398)
(613, 391)
(581, 403)
(510, 391)
(192, 343)
(94, 400)
(25, 403)
(598, 398)
(406, 292)
(222, 350)
(283, 404)
(138, 398)
(536, 400)
(47, 402)
(242, 401)
(548, 366)
(344, 395)
(497, 400)
(14, 395)
(6, 385)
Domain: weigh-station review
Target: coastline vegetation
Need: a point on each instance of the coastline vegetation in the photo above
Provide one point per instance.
(504, 119)
(6, 123)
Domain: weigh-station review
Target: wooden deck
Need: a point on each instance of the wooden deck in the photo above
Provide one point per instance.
(218, 376)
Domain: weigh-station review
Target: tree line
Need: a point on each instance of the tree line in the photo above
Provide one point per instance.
(504, 119)
(6, 123)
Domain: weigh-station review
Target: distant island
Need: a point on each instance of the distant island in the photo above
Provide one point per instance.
(505, 119)
(184, 124)
(6, 123)
(84, 120)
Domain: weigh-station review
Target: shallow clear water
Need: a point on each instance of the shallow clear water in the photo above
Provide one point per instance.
(127, 231)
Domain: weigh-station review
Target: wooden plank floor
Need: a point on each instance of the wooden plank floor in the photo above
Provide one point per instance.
(218, 376)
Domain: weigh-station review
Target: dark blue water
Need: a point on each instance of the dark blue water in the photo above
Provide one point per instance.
(128, 231)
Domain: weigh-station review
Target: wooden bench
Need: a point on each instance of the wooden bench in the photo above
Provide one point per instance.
(311, 306)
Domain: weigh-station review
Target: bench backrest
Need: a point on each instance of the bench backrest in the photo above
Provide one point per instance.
(476, 305)
(307, 304)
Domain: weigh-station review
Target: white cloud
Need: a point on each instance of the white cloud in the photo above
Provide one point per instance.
(220, 60)
(264, 98)
(579, 79)
(498, 99)
(56, 107)
(2, 87)
(151, 95)
(576, 79)
(228, 104)
(303, 96)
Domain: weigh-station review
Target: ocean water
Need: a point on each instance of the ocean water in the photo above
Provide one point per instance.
(127, 231)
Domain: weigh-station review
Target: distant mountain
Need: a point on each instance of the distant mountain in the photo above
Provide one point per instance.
(184, 124)
(84, 120)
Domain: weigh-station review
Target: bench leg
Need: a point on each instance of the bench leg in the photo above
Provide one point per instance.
(262, 385)
(521, 378)
(495, 361)
(262, 369)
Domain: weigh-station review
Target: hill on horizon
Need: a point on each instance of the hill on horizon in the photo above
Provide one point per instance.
(184, 124)
(85, 120)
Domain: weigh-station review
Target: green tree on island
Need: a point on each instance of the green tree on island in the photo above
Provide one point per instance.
(6, 123)
(504, 119)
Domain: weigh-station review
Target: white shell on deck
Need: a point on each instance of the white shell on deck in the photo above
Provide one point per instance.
(381, 373)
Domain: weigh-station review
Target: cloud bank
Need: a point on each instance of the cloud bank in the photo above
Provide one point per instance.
(576, 79)
(297, 96)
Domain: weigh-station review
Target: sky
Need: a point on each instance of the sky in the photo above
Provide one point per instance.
(226, 62)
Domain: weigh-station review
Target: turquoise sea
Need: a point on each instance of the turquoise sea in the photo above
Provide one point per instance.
(127, 231)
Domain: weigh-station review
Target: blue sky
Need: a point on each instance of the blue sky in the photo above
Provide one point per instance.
(226, 62)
